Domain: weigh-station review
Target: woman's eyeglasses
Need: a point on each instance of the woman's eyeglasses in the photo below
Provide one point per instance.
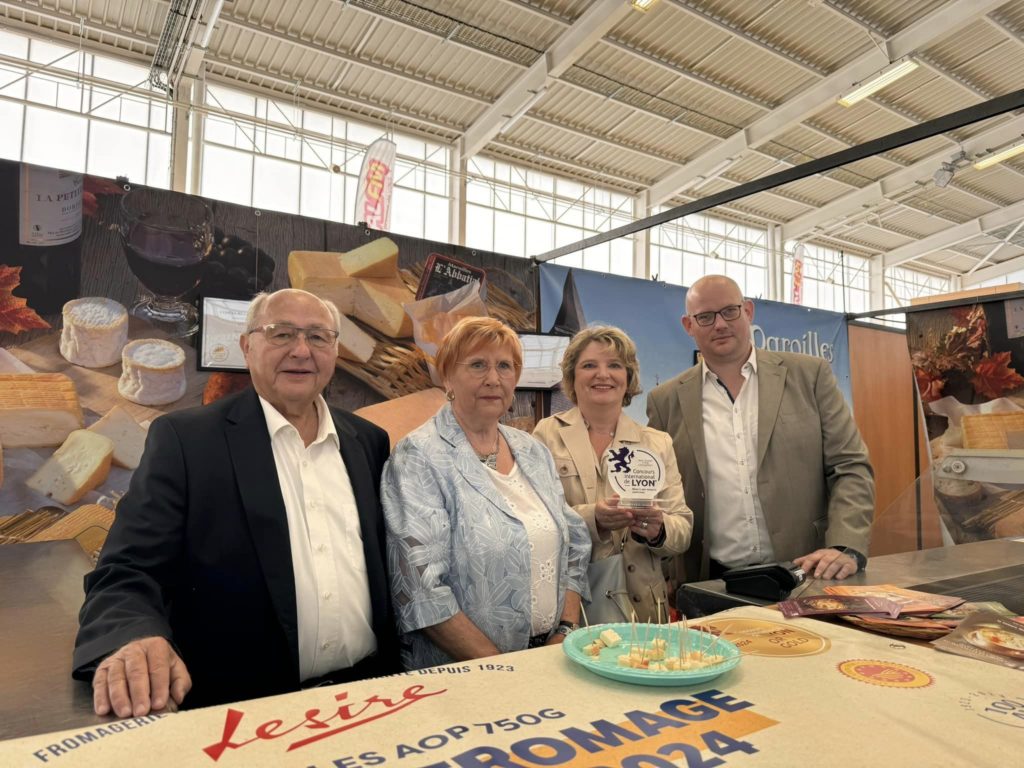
(283, 335)
(728, 313)
(480, 368)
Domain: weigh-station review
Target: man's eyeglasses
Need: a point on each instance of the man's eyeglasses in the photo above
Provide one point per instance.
(283, 335)
(730, 312)
(480, 368)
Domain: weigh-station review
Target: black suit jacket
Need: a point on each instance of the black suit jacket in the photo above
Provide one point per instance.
(199, 554)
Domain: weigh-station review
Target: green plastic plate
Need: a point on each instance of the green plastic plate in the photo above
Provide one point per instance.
(607, 664)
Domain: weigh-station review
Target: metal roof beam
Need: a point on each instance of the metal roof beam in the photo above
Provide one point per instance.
(686, 74)
(333, 53)
(933, 27)
(73, 23)
(953, 235)
(531, 84)
(1002, 269)
(208, 20)
(746, 37)
(880, 191)
(602, 138)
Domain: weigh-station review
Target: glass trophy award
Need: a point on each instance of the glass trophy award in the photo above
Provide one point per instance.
(636, 474)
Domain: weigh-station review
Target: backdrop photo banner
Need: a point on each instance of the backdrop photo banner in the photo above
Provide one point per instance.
(650, 312)
(968, 363)
(209, 248)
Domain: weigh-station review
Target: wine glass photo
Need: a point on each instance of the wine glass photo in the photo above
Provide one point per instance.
(166, 238)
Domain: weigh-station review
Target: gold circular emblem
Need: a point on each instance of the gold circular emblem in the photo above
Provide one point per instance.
(885, 673)
(219, 353)
(757, 637)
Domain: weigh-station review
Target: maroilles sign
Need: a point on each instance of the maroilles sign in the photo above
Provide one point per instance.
(809, 343)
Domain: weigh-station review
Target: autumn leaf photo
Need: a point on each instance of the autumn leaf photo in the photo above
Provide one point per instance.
(956, 354)
(15, 314)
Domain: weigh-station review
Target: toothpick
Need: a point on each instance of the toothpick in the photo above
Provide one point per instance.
(583, 610)
(679, 638)
(721, 636)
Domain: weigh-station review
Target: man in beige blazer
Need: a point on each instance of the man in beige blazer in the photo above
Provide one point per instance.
(773, 466)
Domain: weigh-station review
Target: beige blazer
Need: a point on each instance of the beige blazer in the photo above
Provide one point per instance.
(814, 480)
(565, 435)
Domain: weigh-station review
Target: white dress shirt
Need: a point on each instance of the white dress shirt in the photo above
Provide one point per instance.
(332, 594)
(735, 521)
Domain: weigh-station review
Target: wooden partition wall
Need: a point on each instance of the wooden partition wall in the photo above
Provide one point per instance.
(882, 385)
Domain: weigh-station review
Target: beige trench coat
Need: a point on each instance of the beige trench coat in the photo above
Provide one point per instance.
(565, 435)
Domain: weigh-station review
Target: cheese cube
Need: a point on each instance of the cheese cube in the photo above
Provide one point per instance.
(610, 638)
(354, 343)
(124, 431)
(321, 274)
(37, 409)
(379, 305)
(378, 258)
(74, 469)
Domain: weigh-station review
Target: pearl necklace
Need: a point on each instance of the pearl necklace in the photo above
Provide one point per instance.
(590, 429)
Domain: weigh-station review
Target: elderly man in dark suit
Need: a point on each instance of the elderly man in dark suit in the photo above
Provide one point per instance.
(247, 558)
(773, 465)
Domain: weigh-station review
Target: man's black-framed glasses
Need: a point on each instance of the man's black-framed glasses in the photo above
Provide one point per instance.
(283, 335)
(728, 313)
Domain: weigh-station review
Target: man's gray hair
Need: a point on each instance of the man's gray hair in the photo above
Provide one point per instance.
(260, 300)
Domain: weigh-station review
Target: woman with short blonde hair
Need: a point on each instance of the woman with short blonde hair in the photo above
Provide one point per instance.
(600, 374)
(485, 555)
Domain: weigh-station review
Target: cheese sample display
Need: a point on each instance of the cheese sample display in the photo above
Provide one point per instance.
(378, 258)
(74, 469)
(128, 437)
(95, 329)
(379, 305)
(320, 273)
(354, 343)
(152, 372)
(37, 409)
(991, 430)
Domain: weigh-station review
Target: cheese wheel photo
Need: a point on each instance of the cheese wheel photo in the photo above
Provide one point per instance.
(153, 372)
(95, 330)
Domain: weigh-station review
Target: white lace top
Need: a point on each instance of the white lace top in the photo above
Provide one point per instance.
(544, 545)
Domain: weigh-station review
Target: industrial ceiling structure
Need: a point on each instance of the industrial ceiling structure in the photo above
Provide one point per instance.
(684, 100)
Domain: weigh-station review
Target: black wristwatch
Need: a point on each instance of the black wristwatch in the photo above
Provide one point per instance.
(565, 627)
(857, 556)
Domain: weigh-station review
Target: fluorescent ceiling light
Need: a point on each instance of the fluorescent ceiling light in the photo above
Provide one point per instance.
(642, 5)
(998, 157)
(887, 76)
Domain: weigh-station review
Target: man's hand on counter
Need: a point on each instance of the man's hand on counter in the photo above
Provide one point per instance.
(143, 676)
(827, 564)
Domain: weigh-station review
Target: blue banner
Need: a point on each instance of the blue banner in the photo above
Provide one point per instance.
(651, 314)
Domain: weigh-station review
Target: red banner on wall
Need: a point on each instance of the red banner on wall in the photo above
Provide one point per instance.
(376, 179)
(798, 275)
